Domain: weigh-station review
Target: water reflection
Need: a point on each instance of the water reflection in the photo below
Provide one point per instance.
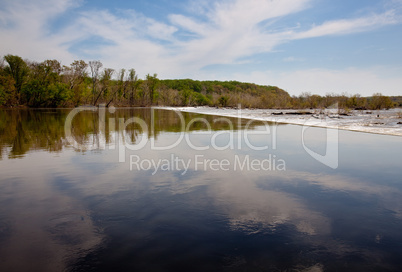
(86, 211)
(27, 130)
(42, 229)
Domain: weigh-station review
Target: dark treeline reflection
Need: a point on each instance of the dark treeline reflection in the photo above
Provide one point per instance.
(24, 130)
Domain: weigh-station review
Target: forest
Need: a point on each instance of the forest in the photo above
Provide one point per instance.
(49, 84)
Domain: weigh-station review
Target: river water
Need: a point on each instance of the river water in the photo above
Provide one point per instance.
(156, 190)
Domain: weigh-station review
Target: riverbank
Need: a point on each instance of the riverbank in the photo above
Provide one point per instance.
(388, 122)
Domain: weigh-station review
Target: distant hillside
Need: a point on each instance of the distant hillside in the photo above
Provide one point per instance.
(220, 86)
(229, 93)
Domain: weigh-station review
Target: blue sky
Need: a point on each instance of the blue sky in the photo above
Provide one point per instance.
(317, 46)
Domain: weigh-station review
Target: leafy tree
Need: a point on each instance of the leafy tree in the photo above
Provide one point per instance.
(57, 94)
(8, 95)
(75, 77)
(18, 69)
(35, 88)
(186, 96)
(223, 100)
(379, 101)
(44, 87)
(202, 100)
(356, 102)
(152, 83)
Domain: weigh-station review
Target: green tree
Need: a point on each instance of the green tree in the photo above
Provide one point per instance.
(186, 96)
(356, 102)
(379, 101)
(44, 87)
(8, 96)
(75, 77)
(202, 100)
(223, 100)
(37, 83)
(57, 94)
(152, 83)
(18, 69)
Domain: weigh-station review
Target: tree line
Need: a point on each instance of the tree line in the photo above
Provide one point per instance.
(51, 84)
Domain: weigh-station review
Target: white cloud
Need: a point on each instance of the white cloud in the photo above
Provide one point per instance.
(25, 29)
(292, 59)
(230, 30)
(134, 40)
(247, 13)
(348, 26)
(189, 24)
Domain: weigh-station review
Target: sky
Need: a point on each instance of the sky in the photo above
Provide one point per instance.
(316, 46)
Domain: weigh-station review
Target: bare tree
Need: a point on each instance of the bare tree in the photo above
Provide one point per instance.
(121, 87)
(106, 77)
(2, 65)
(53, 66)
(133, 84)
(74, 76)
(95, 66)
(76, 73)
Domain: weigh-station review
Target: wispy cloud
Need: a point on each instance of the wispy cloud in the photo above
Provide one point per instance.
(348, 26)
(231, 30)
(292, 59)
(25, 28)
(223, 33)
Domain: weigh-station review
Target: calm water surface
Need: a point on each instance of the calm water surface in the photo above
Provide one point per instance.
(89, 206)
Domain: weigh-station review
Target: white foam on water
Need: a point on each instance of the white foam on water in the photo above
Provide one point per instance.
(377, 121)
